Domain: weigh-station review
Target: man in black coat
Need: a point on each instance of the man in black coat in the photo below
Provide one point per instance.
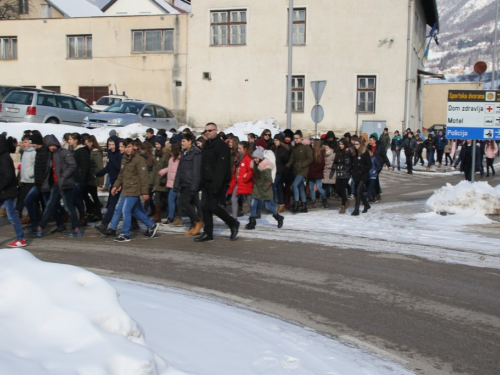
(8, 188)
(379, 151)
(215, 176)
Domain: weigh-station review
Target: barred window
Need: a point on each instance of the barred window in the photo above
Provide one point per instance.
(153, 41)
(228, 27)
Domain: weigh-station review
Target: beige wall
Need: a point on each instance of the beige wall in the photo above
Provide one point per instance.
(131, 7)
(42, 58)
(435, 99)
(35, 10)
(343, 41)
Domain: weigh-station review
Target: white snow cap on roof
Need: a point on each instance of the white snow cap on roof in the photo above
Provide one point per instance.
(76, 8)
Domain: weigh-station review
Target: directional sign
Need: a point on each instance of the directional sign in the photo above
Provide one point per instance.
(318, 87)
(473, 114)
(317, 113)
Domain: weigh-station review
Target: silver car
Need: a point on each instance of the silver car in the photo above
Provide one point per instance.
(129, 112)
(39, 107)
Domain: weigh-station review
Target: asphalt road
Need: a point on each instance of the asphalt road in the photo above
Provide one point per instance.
(435, 318)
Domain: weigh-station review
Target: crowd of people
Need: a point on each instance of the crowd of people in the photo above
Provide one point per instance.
(146, 179)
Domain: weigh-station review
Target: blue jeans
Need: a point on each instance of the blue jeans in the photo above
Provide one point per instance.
(278, 188)
(112, 208)
(172, 198)
(10, 208)
(53, 201)
(117, 214)
(371, 189)
(430, 158)
(29, 203)
(319, 186)
(133, 206)
(298, 187)
(78, 198)
(256, 206)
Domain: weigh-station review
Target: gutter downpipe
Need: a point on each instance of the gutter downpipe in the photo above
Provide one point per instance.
(493, 78)
(408, 60)
(289, 77)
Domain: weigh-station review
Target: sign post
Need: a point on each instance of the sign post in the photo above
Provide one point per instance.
(473, 114)
(317, 113)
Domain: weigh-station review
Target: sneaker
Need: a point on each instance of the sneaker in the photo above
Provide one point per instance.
(122, 238)
(75, 233)
(18, 243)
(109, 232)
(60, 229)
(152, 230)
(38, 231)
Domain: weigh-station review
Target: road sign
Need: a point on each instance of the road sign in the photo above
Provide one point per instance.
(318, 87)
(473, 114)
(317, 113)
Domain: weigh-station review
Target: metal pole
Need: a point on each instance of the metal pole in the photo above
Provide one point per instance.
(408, 60)
(493, 77)
(289, 78)
(473, 171)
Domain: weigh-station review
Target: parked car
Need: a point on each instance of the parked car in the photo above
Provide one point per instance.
(41, 107)
(129, 112)
(434, 129)
(4, 90)
(105, 101)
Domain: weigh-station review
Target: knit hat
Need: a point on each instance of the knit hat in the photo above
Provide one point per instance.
(279, 137)
(161, 140)
(112, 132)
(36, 139)
(258, 153)
(288, 133)
(176, 138)
(374, 135)
(261, 143)
(298, 132)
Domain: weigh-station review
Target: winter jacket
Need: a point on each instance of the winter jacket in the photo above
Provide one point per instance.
(343, 167)
(300, 158)
(430, 144)
(28, 166)
(491, 150)
(242, 176)
(133, 177)
(41, 160)
(440, 141)
(409, 145)
(332, 144)
(263, 181)
(170, 171)
(376, 167)
(385, 139)
(82, 158)
(361, 166)
(94, 166)
(317, 168)
(189, 170)
(64, 165)
(381, 154)
(329, 158)
(8, 179)
(160, 161)
(215, 165)
(113, 162)
(447, 148)
(397, 142)
(282, 154)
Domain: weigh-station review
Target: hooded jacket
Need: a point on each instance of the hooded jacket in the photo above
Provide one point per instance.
(263, 180)
(245, 184)
(8, 180)
(64, 166)
(113, 162)
(133, 177)
(300, 158)
(188, 172)
(28, 166)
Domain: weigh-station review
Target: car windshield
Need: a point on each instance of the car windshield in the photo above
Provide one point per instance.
(108, 101)
(125, 107)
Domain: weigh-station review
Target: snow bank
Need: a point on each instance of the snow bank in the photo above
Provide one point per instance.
(102, 134)
(476, 198)
(242, 129)
(59, 319)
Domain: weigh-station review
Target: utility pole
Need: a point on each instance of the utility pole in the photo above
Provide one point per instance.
(289, 77)
(493, 76)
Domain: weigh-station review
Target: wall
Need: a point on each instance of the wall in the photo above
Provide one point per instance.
(132, 7)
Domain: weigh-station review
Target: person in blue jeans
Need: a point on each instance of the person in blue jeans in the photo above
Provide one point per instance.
(8, 188)
(134, 184)
(374, 171)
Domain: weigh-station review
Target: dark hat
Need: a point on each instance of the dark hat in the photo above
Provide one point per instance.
(36, 139)
(161, 140)
(288, 133)
(176, 138)
(279, 137)
(347, 135)
(330, 134)
(298, 132)
(261, 143)
(112, 133)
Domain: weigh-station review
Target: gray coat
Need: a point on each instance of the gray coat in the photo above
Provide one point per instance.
(65, 166)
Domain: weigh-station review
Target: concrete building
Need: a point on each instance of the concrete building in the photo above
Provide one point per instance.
(238, 61)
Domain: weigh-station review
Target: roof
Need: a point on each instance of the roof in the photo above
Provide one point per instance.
(431, 12)
(75, 8)
(161, 3)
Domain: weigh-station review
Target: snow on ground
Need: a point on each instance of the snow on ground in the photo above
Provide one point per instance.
(242, 129)
(102, 134)
(61, 319)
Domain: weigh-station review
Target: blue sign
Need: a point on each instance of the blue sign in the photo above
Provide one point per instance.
(472, 133)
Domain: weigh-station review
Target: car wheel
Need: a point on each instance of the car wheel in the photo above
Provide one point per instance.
(52, 120)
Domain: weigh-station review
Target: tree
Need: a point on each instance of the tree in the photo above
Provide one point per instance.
(12, 9)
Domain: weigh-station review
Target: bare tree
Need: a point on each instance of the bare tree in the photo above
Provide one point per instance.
(10, 9)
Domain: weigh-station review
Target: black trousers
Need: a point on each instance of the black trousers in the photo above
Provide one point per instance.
(409, 162)
(360, 194)
(341, 188)
(187, 203)
(210, 205)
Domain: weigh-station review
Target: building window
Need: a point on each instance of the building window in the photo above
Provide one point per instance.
(80, 47)
(8, 48)
(367, 86)
(23, 7)
(228, 27)
(299, 26)
(298, 93)
(153, 41)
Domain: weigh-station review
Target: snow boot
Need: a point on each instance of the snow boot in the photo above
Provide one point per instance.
(295, 207)
(157, 217)
(366, 207)
(325, 203)
(342, 210)
(279, 219)
(251, 223)
(355, 212)
(303, 208)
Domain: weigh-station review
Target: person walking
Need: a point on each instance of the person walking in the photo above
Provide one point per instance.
(490, 151)
(215, 176)
(396, 144)
(300, 158)
(361, 165)
(430, 147)
(242, 177)
(316, 174)
(409, 146)
(380, 153)
(441, 142)
(385, 139)
(96, 164)
(282, 155)
(161, 157)
(342, 168)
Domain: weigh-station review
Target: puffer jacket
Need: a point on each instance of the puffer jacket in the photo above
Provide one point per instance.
(329, 158)
(491, 151)
(189, 170)
(160, 161)
(242, 176)
(282, 154)
(170, 171)
(343, 168)
(133, 177)
(396, 142)
(64, 166)
(300, 158)
(262, 186)
(8, 179)
(361, 166)
(440, 140)
(82, 158)
(409, 145)
(28, 166)
(113, 161)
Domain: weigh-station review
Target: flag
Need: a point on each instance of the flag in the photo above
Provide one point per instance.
(432, 35)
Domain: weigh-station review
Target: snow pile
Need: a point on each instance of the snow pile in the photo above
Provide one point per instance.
(477, 197)
(242, 129)
(59, 319)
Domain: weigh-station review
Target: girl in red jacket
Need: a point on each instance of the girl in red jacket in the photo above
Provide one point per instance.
(242, 178)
